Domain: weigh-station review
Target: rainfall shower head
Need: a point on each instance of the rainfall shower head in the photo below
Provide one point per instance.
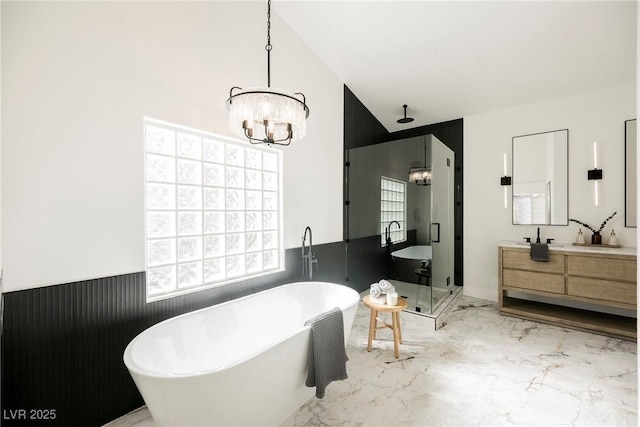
(405, 119)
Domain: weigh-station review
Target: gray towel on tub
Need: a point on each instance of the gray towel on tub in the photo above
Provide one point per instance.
(327, 356)
(539, 252)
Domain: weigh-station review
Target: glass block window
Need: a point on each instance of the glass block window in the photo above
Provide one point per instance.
(393, 207)
(213, 210)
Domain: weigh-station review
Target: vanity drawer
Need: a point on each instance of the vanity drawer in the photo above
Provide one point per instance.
(521, 260)
(542, 282)
(602, 290)
(604, 268)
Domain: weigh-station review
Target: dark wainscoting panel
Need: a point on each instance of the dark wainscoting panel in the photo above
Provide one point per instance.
(62, 345)
(331, 259)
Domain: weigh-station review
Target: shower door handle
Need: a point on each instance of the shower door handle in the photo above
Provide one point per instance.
(437, 239)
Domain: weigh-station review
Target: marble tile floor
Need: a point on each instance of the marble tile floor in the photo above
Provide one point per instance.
(481, 369)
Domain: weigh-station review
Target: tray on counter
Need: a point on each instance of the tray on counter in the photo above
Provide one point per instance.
(602, 245)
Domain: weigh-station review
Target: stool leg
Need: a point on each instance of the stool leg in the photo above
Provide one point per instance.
(397, 313)
(396, 334)
(372, 328)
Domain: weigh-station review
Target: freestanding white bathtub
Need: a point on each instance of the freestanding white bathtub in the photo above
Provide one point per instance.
(407, 260)
(242, 362)
(417, 252)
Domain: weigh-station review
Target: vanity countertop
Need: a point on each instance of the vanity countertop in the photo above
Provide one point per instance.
(569, 247)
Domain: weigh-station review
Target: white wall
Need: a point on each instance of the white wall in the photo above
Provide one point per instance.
(559, 193)
(1, 286)
(1, 283)
(78, 79)
(594, 116)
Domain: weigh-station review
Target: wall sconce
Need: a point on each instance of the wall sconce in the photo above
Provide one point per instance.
(595, 174)
(505, 180)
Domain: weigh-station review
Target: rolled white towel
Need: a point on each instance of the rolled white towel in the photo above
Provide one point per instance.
(374, 290)
(386, 286)
(378, 300)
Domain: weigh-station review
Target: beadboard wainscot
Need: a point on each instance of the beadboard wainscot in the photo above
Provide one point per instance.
(590, 288)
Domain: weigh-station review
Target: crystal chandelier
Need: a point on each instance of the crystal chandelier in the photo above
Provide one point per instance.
(265, 115)
(420, 174)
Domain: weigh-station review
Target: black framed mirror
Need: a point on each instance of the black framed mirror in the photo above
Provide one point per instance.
(541, 178)
(630, 174)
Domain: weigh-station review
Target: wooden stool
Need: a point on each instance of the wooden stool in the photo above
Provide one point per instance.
(395, 321)
(426, 273)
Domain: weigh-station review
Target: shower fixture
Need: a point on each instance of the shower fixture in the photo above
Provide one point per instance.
(405, 119)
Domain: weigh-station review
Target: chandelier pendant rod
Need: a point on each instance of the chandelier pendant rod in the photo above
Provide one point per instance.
(268, 47)
(425, 151)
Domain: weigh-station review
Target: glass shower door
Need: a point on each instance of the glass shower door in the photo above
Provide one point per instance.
(442, 233)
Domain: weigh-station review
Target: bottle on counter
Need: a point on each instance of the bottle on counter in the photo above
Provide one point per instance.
(613, 240)
(580, 239)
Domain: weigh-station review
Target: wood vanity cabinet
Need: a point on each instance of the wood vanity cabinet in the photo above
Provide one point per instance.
(592, 281)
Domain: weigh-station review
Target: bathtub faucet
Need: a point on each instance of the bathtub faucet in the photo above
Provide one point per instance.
(387, 232)
(308, 258)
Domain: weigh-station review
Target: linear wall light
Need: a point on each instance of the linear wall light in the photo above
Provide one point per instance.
(505, 180)
(595, 175)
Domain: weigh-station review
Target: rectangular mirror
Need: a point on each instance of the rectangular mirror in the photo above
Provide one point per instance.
(541, 178)
(630, 174)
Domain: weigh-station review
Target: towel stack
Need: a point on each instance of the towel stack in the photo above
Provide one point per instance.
(379, 290)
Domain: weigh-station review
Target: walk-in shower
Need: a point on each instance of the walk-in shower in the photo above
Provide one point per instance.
(418, 255)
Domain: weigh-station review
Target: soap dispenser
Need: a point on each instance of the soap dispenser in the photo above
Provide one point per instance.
(580, 239)
(613, 240)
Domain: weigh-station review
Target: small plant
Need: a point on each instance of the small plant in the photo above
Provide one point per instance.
(591, 228)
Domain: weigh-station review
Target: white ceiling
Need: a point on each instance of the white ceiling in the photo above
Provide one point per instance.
(451, 59)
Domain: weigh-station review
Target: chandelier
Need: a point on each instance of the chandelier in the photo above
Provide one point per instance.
(421, 174)
(265, 115)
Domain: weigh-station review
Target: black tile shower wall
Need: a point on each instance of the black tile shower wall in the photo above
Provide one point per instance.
(371, 261)
(62, 345)
(451, 134)
(361, 128)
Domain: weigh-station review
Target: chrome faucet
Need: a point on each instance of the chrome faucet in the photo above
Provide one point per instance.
(308, 258)
(387, 232)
